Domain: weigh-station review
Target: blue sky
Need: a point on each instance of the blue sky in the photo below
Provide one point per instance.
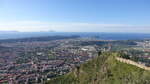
(76, 15)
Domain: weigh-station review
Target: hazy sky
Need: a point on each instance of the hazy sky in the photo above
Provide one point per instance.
(75, 15)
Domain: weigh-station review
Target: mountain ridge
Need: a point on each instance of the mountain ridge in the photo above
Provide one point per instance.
(104, 69)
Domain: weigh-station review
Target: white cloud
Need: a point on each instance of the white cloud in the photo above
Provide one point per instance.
(71, 27)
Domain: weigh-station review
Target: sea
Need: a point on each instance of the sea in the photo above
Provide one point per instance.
(98, 35)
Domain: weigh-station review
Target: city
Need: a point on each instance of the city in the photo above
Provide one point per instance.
(38, 61)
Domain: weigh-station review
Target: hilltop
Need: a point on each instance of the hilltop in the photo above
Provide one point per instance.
(105, 69)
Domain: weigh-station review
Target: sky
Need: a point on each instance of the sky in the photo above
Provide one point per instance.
(75, 15)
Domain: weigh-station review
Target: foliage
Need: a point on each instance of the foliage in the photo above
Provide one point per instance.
(104, 69)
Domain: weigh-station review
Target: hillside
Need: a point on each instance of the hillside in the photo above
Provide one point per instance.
(40, 38)
(105, 69)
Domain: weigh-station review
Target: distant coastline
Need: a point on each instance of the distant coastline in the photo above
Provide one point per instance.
(98, 35)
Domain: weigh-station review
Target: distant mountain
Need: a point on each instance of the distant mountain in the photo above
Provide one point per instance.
(97, 35)
(42, 38)
(6, 32)
(16, 34)
(104, 69)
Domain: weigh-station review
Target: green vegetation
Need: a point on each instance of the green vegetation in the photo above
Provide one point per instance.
(51, 55)
(104, 69)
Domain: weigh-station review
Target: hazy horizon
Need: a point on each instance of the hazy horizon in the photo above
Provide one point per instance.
(124, 16)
